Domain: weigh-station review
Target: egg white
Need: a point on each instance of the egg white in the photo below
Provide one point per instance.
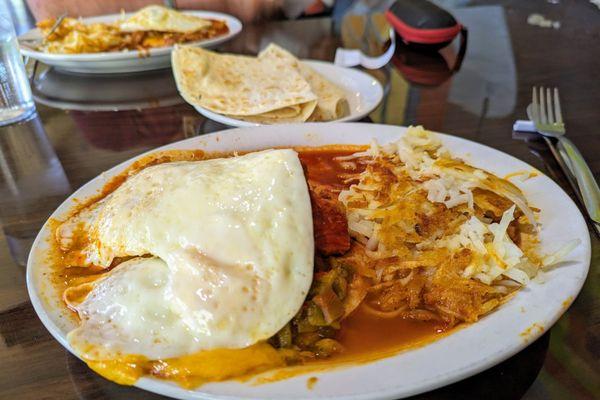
(162, 19)
(232, 257)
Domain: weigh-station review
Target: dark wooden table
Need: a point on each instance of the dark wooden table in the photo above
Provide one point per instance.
(86, 125)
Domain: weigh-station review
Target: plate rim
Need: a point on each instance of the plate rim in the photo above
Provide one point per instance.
(390, 392)
(238, 123)
(234, 24)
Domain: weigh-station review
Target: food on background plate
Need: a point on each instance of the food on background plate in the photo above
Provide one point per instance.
(273, 87)
(198, 267)
(242, 86)
(331, 100)
(150, 27)
(161, 19)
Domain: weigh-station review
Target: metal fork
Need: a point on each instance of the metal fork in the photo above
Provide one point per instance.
(37, 41)
(547, 115)
(54, 27)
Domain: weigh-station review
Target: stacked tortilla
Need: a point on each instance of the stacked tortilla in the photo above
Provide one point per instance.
(274, 87)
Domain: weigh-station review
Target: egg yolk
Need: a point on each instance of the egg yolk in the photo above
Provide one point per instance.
(193, 370)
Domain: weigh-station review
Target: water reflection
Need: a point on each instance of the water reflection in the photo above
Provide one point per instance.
(33, 184)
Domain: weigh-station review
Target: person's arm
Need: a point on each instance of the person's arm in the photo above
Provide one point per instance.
(42, 9)
(247, 10)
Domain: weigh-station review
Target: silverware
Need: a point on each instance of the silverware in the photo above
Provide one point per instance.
(54, 27)
(545, 111)
(570, 177)
(57, 23)
(529, 127)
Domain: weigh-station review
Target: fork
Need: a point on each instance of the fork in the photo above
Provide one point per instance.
(35, 41)
(54, 27)
(547, 116)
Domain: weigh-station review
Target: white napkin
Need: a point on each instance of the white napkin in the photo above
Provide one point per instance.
(353, 57)
(524, 125)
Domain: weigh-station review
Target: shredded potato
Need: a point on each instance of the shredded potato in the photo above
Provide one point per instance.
(441, 236)
(433, 239)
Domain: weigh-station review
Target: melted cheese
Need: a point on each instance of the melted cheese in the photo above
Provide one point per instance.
(193, 370)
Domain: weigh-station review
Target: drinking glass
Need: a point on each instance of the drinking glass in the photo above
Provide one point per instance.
(15, 94)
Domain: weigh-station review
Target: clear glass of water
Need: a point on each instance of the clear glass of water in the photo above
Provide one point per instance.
(15, 94)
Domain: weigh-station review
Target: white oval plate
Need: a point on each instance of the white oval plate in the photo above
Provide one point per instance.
(363, 92)
(467, 351)
(122, 61)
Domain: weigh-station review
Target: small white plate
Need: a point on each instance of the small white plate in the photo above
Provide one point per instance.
(122, 61)
(467, 351)
(363, 92)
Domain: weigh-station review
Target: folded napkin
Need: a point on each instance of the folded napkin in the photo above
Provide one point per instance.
(524, 125)
(354, 58)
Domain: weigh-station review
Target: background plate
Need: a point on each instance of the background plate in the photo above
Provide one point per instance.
(123, 61)
(363, 92)
(467, 351)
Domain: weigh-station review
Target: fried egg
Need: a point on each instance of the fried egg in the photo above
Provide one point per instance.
(228, 257)
(162, 19)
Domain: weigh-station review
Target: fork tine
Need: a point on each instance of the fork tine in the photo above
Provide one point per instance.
(535, 105)
(549, 106)
(557, 111)
(543, 115)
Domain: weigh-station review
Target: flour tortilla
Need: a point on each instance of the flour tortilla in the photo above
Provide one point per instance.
(299, 113)
(267, 91)
(331, 100)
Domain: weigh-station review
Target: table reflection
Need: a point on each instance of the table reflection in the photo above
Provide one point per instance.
(128, 129)
(33, 184)
(117, 92)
